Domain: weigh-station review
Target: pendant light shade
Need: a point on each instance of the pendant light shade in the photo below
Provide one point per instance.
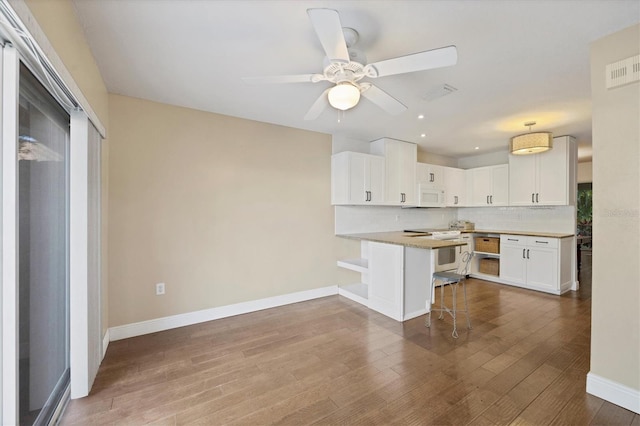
(531, 143)
(344, 96)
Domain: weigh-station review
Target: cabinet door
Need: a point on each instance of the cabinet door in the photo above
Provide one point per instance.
(429, 174)
(408, 160)
(375, 180)
(358, 178)
(454, 186)
(481, 182)
(386, 279)
(522, 180)
(423, 173)
(500, 185)
(513, 263)
(392, 154)
(542, 269)
(553, 175)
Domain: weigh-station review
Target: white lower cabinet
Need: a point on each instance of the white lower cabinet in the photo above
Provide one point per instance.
(395, 279)
(386, 279)
(537, 263)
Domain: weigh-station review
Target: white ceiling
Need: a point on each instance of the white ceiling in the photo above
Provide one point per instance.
(517, 61)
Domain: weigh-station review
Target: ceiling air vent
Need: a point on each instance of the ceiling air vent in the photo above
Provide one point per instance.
(438, 92)
(623, 72)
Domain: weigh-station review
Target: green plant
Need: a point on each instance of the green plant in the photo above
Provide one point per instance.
(584, 207)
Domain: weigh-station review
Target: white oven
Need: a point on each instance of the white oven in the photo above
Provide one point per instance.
(448, 258)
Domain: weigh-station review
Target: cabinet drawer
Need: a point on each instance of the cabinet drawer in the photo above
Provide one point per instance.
(522, 240)
(513, 240)
(542, 242)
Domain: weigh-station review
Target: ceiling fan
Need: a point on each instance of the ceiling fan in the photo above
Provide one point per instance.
(346, 74)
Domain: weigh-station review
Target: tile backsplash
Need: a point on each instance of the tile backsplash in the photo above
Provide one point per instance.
(356, 219)
(561, 219)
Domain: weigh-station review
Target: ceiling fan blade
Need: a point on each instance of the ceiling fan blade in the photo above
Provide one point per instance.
(318, 106)
(277, 79)
(327, 24)
(382, 99)
(430, 59)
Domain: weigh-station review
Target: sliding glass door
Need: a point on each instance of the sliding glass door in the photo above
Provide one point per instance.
(43, 251)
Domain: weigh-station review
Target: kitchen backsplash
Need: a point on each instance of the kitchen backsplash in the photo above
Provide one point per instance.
(561, 219)
(356, 219)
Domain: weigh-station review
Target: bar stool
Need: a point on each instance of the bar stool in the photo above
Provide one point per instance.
(452, 279)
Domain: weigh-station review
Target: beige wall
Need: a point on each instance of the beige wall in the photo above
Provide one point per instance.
(615, 333)
(585, 172)
(58, 20)
(223, 210)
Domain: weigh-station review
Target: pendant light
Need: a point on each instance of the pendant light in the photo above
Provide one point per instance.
(532, 142)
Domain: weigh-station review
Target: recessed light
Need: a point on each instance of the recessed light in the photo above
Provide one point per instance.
(421, 116)
(423, 135)
(477, 147)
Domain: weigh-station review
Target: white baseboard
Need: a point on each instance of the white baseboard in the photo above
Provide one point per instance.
(415, 314)
(105, 343)
(190, 318)
(614, 392)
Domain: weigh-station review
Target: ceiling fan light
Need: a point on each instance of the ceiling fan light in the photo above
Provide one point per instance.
(344, 96)
(531, 143)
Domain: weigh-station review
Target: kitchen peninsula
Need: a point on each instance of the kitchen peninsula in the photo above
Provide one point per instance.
(396, 270)
(396, 267)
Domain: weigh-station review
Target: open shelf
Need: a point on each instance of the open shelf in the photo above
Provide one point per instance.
(487, 254)
(358, 265)
(358, 292)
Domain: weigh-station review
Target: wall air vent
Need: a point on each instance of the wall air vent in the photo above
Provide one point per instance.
(623, 72)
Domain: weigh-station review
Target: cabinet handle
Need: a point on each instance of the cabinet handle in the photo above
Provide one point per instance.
(532, 197)
(487, 199)
(433, 177)
(368, 195)
(455, 197)
(537, 201)
(491, 198)
(527, 253)
(542, 242)
(523, 250)
(402, 197)
(512, 239)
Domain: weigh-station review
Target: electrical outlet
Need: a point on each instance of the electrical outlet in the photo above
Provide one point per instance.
(159, 289)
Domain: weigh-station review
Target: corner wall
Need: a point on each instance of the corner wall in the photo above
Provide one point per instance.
(220, 209)
(615, 320)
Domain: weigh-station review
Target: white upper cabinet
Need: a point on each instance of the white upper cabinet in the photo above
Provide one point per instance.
(489, 186)
(429, 174)
(548, 178)
(455, 187)
(400, 170)
(357, 178)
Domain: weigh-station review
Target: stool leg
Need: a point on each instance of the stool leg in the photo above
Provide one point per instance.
(466, 305)
(442, 286)
(454, 291)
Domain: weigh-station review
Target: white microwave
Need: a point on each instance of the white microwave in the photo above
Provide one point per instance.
(430, 196)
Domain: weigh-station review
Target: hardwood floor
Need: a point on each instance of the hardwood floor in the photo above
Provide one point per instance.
(331, 361)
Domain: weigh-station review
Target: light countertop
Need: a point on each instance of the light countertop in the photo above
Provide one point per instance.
(411, 239)
(407, 239)
(526, 233)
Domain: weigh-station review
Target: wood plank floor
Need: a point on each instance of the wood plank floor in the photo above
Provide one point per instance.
(331, 361)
